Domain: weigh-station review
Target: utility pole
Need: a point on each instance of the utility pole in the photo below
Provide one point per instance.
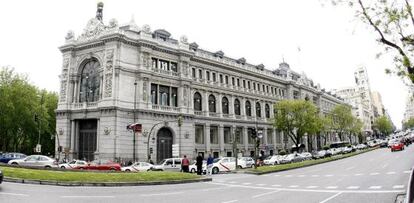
(135, 121)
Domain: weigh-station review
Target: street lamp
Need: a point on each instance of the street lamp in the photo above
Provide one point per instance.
(135, 118)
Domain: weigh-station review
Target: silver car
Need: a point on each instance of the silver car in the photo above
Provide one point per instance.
(35, 160)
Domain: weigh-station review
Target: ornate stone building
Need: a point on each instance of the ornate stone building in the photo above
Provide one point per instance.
(115, 75)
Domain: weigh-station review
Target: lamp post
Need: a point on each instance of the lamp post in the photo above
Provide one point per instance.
(135, 118)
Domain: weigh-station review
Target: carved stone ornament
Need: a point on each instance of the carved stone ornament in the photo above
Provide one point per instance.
(108, 77)
(108, 85)
(146, 60)
(144, 91)
(63, 91)
(92, 30)
(184, 39)
(146, 28)
(113, 23)
(70, 35)
(107, 131)
(61, 131)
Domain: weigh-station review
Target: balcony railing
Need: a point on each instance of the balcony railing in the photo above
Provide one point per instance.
(165, 72)
(84, 105)
(214, 114)
(198, 113)
(239, 117)
(166, 108)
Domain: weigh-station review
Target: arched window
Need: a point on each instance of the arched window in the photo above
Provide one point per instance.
(197, 102)
(248, 109)
(258, 110)
(267, 111)
(225, 105)
(211, 103)
(236, 107)
(89, 82)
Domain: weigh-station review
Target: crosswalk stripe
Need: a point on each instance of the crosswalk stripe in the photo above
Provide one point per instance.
(352, 187)
(375, 187)
(276, 185)
(398, 186)
(331, 187)
(312, 186)
(390, 173)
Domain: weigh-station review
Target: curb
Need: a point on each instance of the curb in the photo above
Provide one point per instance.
(116, 184)
(287, 169)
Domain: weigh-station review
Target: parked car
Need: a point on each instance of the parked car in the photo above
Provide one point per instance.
(193, 167)
(383, 143)
(291, 158)
(273, 160)
(334, 151)
(6, 157)
(1, 176)
(361, 146)
(306, 155)
(35, 160)
(101, 165)
(346, 150)
(397, 146)
(170, 164)
(321, 154)
(224, 164)
(245, 162)
(73, 164)
(138, 166)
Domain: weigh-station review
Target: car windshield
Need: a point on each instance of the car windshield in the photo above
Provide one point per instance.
(161, 162)
(216, 160)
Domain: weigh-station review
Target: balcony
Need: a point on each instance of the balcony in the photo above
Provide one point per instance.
(165, 108)
(198, 113)
(84, 105)
(165, 72)
(227, 116)
(239, 117)
(214, 114)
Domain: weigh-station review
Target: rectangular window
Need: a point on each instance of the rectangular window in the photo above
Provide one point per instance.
(214, 135)
(249, 134)
(254, 86)
(154, 98)
(199, 134)
(164, 95)
(232, 81)
(193, 72)
(227, 135)
(173, 67)
(269, 136)
(238, 82)
(154, 63)
(272, 90)
(296, 95)
(163, 64)
(244, 83)
(267, 89)
(248, 85)
(239, 135)
(174, 96)
(227, 80)
(214, 77)
(208, 75)
(200, 74)
(221, 78)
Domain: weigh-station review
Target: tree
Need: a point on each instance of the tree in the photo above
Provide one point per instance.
(356, 129)
(408, 124)
(393, 22)
(341, 119)
(325, 124)
(296, 118)
(24, 110)
(383, 125)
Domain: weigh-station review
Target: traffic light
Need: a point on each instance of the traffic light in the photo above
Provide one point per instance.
(253, 133)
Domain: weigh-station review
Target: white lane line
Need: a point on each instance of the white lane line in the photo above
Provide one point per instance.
(385, 165)
(329, 175)
(266, 175)
(263, 194)
(247, 183)
(87, 196)
(398, 187)
(288, 176)
(294, 186)
(391, 173)
(352, 187)
(276, 175)
(350, 168)
(230, 201)
(375, 187)
(373, 174)
(261, 184)
(301, 176)
(331, 187)
(331, 197)
(315, 175)
(13, 194)
(312, 187)
(406, 171)
(276, 185)
(358, 174)
(216, 188)
(161, 194)
(232, 182)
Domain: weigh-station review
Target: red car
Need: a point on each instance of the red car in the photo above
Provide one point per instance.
(397, 146)
(101, 165)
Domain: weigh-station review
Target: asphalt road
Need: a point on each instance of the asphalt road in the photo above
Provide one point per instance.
(376, 176)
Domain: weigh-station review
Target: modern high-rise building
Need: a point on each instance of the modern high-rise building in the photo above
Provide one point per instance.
(409, 105)
(116, 75)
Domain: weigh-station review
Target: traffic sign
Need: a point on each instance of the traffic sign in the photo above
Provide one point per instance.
(175, 150)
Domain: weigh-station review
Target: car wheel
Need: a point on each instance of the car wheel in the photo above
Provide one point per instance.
(193, 170)
(112, 169)
(215, 170)
(62, 167)
(14, 163)
(81, 168)
(48, 167)
(127, 170)
(239, 167)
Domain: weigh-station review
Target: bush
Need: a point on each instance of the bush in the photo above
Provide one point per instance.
(282, 152)
(326, 147)
(349, 145)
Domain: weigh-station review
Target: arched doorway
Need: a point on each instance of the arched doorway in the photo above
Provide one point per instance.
(164, 144)
(87, 139)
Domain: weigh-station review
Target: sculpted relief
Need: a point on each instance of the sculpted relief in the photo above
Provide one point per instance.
(109, 72)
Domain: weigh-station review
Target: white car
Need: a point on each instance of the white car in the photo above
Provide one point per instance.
(245, 162)
(224, 164)
(170, 164)
(306, 155)
(35, 160)
(193, 167)
(361, 146)
(273, 160)
(334, 151)
(138, 166)
(73, 164)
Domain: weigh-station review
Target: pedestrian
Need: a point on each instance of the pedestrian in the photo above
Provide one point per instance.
(199, 164)
(185, 164)
(209, 165)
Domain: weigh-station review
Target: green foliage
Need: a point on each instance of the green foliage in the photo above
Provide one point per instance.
(282, 152)
(19, 103)
(341, 120)
(383, 125)
(326, 147)
(297, 118)
(409, 124)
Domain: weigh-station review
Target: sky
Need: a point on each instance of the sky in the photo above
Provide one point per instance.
(326, 42)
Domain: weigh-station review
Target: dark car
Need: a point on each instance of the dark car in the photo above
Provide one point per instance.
(6, 157)
(1, 176)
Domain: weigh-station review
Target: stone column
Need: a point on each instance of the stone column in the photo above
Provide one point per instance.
(207, 138)
(274, 140)
(205, 102)
(219, 105)
(221, 138)
(245, 139)
(231, 106)
(265, 136)
(243, 107)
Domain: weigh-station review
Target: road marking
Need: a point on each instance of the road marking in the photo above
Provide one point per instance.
(216, 188)
(358, 174)
(161, 194)
(276, 185)
(406, 171)
(247, 183)
(398, 187)
(331, 187)
(87, 196)
(232, 182)
(263, 194)
(385, 165)
(352, 187)
(329, 175)
(375, 187)
(331, 197)
(276, 175)
(230, 201)
(288, 176)
(312, 187)
(350, 168)
(294, 186)
(261, 184)
(373, 174)
(390, 173)
(13, 194)
(315, 175)
(301, 176)
(266, 175)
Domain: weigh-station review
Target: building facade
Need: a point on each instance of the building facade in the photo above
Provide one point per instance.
(409, 105)
(116, 75)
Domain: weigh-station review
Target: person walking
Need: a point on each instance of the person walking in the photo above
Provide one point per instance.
(209, 165)
(185, 164)
(199, 164)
